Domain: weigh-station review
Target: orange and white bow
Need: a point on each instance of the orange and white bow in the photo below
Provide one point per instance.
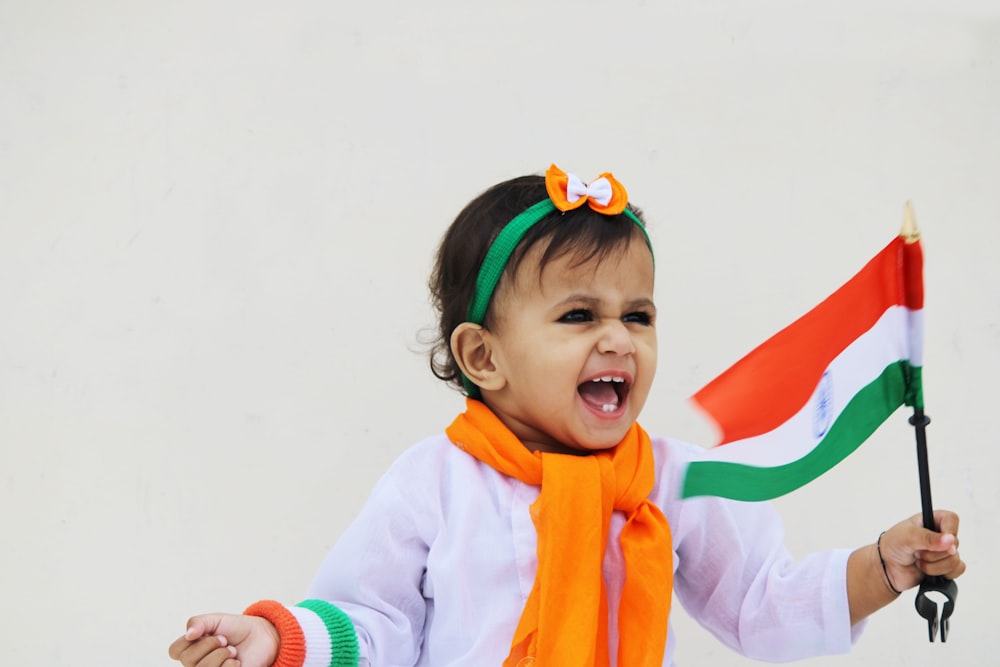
(604, 194)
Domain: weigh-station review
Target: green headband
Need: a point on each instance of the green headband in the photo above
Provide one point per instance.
(499, 254)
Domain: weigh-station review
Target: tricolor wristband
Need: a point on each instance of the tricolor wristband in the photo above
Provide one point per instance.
(294, 650)
(343, 638)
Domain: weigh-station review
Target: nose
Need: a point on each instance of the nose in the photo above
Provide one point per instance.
(615, 339)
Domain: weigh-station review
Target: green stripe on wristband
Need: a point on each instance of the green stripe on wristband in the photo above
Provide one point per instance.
(344, 650)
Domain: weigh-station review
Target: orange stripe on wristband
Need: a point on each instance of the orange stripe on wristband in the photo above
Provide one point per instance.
(292, 650)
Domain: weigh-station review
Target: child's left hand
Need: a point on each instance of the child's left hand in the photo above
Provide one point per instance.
(912, 552)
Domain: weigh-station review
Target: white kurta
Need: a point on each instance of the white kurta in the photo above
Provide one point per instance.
(438, 565)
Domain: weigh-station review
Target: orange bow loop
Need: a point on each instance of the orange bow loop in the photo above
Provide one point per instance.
(604, 194)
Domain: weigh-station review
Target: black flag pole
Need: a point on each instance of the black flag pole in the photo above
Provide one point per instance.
(925, 603)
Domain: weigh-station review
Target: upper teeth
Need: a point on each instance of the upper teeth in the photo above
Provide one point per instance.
(608, 378)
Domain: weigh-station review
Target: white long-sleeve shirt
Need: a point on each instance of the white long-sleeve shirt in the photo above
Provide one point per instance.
(437, 567)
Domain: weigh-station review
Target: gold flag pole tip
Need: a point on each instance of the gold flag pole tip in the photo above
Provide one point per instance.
(909, 232)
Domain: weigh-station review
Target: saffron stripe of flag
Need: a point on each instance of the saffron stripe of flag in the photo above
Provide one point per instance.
(811, 394)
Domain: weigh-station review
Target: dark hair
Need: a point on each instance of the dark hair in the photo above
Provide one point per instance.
(582, 231)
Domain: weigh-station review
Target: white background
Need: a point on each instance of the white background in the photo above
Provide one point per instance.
(217, 219)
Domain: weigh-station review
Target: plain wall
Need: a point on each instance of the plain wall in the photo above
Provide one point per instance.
(217, 220)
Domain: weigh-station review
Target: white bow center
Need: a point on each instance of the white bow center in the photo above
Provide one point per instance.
(599, 190)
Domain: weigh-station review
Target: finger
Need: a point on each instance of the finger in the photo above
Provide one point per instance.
(946, 522)
(934, 559)
(920, 540)
(942, 542)
(205, 624)
(198, 653)
(951, 567)
(178, 647)
(224, 655)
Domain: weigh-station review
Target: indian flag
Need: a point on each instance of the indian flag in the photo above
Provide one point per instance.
(807, 397)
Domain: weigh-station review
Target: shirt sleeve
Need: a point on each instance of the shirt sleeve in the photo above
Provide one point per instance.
(737, 579)
(374, 574)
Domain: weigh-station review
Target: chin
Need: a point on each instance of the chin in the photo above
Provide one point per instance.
(603, 441)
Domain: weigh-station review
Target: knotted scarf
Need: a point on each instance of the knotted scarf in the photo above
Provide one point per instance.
(565, 620)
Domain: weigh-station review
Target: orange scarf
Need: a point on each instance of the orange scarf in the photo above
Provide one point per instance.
(564, 622)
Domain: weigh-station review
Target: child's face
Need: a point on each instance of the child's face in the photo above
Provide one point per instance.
(555, 334)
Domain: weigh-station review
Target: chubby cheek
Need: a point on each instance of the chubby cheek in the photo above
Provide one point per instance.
(648, 346)
(647, 370)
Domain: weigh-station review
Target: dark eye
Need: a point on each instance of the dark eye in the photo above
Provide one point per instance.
(638, 317)
(577, 316)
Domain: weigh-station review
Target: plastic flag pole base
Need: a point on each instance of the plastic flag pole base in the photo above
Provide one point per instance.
(928, 608)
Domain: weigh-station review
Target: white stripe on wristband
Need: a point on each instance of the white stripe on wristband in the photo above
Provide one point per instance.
(318, 649)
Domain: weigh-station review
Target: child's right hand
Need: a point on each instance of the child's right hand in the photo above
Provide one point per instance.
(227, 640)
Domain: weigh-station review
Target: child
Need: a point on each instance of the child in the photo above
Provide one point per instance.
(544, 526)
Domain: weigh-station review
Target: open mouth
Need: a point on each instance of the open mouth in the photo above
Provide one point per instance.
(606, 393)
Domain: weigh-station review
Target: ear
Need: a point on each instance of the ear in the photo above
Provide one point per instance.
(471, 345)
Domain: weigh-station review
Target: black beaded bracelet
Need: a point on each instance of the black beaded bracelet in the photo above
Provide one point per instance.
(878, 547)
